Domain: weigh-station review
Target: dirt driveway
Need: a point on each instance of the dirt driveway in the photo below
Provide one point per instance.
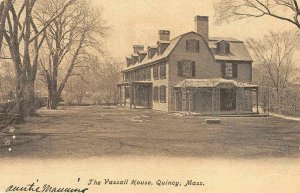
(107, 131)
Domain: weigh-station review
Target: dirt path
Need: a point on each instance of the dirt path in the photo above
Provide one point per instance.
(286, 117)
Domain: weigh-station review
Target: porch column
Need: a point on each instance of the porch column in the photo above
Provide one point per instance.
(124, 95)
(130, 95)
(244, 100)
(257, 100)
(237, 100)
(134, 96)
(175, 99)
(213, 101)
(120, 94)
(189, 95)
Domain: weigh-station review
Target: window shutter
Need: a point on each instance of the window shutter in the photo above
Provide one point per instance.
(234, 70)
(193, 68)
(227, 48)
(223, 69)
(160, 71)
(157, 93)
(197, 46)
(179, 70)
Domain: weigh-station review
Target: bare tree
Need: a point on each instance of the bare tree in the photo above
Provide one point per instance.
(78, 86)
(24, 40)
(69, 39)
(274, 56)
(285, 10)
(103, 80)
(5, 6)
(7, 82)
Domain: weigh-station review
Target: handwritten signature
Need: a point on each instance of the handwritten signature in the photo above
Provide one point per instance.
(44, 188)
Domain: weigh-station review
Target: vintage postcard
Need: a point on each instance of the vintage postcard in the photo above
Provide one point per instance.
(149, 96)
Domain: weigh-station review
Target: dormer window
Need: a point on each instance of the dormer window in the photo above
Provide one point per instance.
(223, 47)
(192, 45)
(151, 51)
(227, 48)
(141, 56)
(161, 47)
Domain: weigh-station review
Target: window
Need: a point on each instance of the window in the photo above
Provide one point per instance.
(126, 77)
(155, 72)
(223, 47)
(163, 71)
(227, 48)
(155, 93)
(163, 94)
(143, 74)
(148, 73)
(131, 76)
(134, 75)
(229, 70)
(192, 45)
(186, 68)
(137, 75)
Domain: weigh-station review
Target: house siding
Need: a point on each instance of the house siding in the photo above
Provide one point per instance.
(157, 105)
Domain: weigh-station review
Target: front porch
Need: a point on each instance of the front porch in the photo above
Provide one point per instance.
(137, 94)
(216, 97)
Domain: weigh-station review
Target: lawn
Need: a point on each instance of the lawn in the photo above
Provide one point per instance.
(114, 131)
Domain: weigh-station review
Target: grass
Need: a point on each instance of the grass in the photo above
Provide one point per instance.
(89, 131)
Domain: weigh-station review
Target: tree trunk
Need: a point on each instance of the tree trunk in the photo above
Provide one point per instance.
(20, 100)
(31, 105)
(53, 101)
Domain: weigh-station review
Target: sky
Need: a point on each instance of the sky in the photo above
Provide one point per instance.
(138, 22)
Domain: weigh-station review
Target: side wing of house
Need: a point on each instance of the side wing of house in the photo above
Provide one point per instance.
(191, 59)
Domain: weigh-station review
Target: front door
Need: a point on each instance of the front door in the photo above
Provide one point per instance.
(228, 99)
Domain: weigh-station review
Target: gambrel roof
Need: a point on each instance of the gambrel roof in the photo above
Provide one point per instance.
(238, 51)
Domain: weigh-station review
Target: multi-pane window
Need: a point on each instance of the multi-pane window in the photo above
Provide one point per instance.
(148, 73)
(155, 93)
(186, 68)
(229, 70)
(163, 71)
(134, 75)
(155, 72)
(223, 47)
(192, 45)
(163, 94)
(143, 74)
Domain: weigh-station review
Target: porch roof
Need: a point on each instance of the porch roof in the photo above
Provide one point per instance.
(210, 83)
(135, 82)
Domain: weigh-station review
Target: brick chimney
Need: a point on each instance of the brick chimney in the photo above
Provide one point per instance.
(164, 35)
(129, 61)
(137, 48)
(201, 26)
